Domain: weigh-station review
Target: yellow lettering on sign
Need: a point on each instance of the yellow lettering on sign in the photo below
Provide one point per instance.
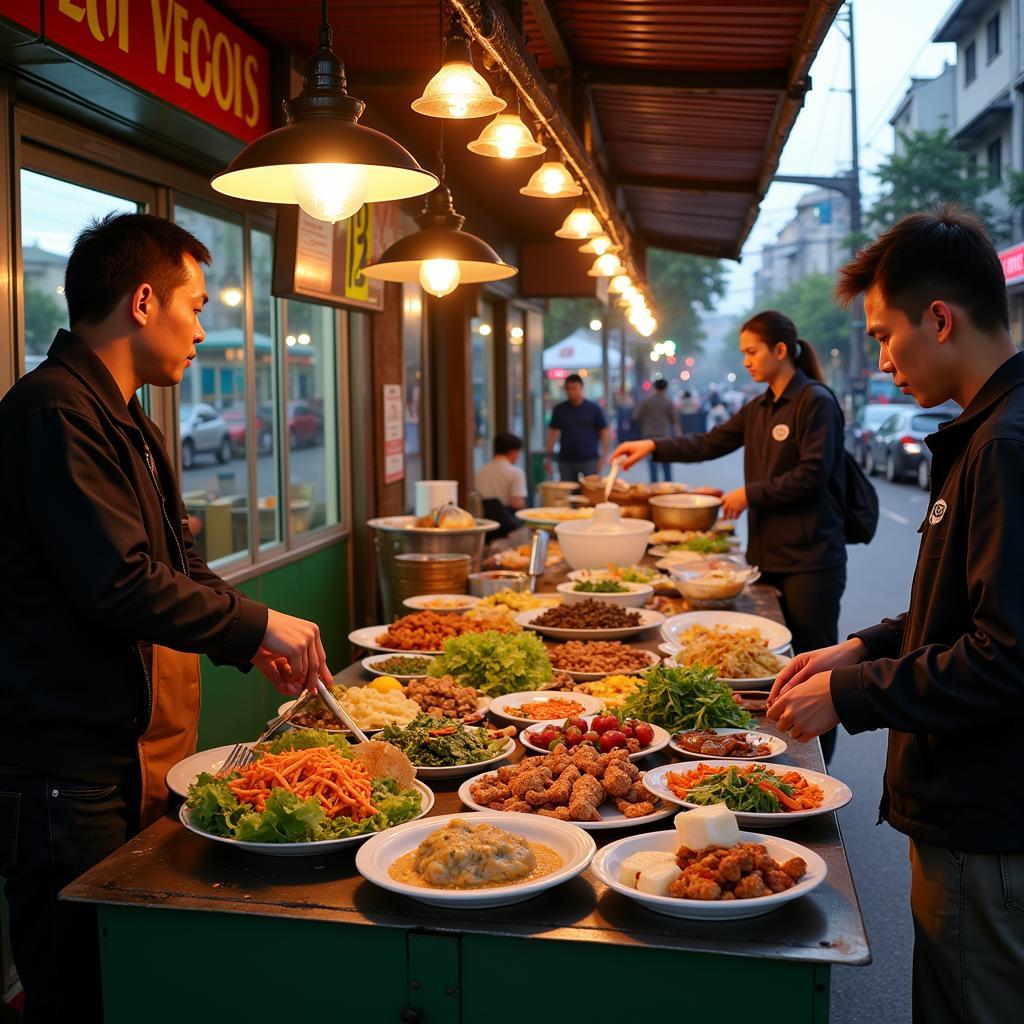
(74, 11)
(180, 47)
(236, 78)
(359, 232)
(202, 74)
(254, 94)
(223, 69)
(162, 33)
(117, 18)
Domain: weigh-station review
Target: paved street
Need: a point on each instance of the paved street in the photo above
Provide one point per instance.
(879, 584)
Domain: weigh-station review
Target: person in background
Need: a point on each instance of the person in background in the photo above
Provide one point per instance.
(946, 678)
(107, 605)
(501, 478)
(690, 415)
(656, 416)
(581, 430)
(792, 440)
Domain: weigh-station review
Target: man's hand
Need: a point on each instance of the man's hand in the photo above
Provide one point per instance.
(631, 452)
(810, 663)
(298, 642)
(734, 503)
(806, 710)
(278, 672)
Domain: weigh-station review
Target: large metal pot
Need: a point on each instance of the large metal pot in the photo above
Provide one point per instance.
(685, 511)
(398, 535)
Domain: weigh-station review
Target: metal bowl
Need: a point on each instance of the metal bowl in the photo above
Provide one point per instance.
(685, 511)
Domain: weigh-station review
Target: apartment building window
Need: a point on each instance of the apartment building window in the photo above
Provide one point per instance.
(992, 37)
(995, 163)
(970, 64)
(972, 165)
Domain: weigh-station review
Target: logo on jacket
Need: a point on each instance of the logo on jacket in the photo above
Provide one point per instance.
(780, 431)
(938, 511)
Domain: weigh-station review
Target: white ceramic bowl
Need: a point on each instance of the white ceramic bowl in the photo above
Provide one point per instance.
(635, 596)
(584, 549)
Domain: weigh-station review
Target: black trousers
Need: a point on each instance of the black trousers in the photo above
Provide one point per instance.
(51, 831)
(810, 606)
(666, 470)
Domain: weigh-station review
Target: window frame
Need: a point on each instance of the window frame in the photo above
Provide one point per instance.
(995, 179)
(970, 63)
(63, 149)
(993, 23)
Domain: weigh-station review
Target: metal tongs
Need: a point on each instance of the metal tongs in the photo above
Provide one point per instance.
(332, 705)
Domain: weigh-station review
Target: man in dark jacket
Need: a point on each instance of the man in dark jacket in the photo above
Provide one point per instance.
(947, 677)
(106, 604)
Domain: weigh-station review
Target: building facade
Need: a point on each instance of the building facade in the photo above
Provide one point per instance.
(928, 105)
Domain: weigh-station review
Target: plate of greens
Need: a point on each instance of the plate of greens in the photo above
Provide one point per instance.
(307, 793)
(495, 663)
(445, 748)
(680, 699)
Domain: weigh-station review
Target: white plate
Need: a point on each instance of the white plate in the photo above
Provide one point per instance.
(608, 863)
(751, 683)
(611, 817)
(457, 771)
(550, 516)
(187, 770)
(302, 849)
(370, 664)
(366, 637)
(589, 677)
(648, 620)
(777, 635)
(589, 705)
(576, 848)
(634, 596)
(659, 742)
(459, 603)
(836, 794)
(778, 746)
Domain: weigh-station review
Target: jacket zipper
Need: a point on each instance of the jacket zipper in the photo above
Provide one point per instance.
(148, 692)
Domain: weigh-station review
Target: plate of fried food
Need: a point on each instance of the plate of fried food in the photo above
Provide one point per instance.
(588, 660)
(592, 790)
(706, 869)
(766, 796)
(444, 696)
(733, 744)
(421, 633)
(479, 859)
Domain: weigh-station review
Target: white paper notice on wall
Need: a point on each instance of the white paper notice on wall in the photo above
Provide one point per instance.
(394, 451)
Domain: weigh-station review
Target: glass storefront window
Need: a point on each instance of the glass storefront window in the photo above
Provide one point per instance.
(311, 429)
(482, 340)
(53, 212)
(213, 418)
(266, 420)
(413, 388)
(516, 364)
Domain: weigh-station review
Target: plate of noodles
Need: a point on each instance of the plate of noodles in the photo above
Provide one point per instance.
(775, 635)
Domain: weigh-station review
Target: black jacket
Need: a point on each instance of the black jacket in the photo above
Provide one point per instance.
(94, 567)
(793, 467)
(947, 677)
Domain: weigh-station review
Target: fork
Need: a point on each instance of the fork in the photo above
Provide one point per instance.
(242, 755)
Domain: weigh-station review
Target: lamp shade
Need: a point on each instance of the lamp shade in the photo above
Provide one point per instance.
(580, 224)
(599, 245)
(458, 91)
(506, 137)
(552, 179)
(607, 265)
(323, 159)
(439, 242)
(619, 283)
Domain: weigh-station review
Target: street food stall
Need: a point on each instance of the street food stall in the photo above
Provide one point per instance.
(329, 928)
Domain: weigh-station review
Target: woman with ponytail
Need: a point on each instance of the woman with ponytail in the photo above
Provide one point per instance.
(792, 440)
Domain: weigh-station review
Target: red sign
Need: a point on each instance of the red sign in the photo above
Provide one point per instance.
(182, 51)
(1012, 260)
(22, 12)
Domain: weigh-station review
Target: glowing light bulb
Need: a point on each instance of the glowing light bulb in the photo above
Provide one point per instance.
(607, 264)
(330, 192)
(440, 277)
(601, 244)
(485, 329)
(230, 296)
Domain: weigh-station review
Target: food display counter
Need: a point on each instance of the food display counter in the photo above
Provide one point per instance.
(271, 938)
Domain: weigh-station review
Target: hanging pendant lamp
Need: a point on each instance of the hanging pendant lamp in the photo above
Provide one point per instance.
(552, 179)
(458, 91)
(607, 265)
(619, 283)
(599, 245)
(580, 224)
(506, 137)
(440, 256)
(323, 159)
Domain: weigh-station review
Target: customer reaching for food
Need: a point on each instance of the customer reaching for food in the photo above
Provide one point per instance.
(792, 440)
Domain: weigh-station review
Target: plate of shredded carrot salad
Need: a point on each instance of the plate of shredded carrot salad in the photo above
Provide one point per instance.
(308, 792)
(758, 794)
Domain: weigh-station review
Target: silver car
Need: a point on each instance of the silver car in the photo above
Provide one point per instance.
(203, 432)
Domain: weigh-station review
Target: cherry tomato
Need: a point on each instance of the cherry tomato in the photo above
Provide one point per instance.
(604, 722)
(577, 723)
(626, 729)
(592, 737)
(644, 733)
(611, 739)
(572, 736)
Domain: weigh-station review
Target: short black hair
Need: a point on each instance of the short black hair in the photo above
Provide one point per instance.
(945, 254)
(114, 254)
(574, 378)
(505, 443)
(660, 384)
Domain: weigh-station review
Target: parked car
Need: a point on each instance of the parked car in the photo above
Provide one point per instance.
(203, 432)
(862, 427)
(898, 443)
(236, 421)
(305, 424)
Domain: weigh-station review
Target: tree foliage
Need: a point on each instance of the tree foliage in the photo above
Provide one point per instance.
(929, 171)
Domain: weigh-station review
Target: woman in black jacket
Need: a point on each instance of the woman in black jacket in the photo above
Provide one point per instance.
(792, 440)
